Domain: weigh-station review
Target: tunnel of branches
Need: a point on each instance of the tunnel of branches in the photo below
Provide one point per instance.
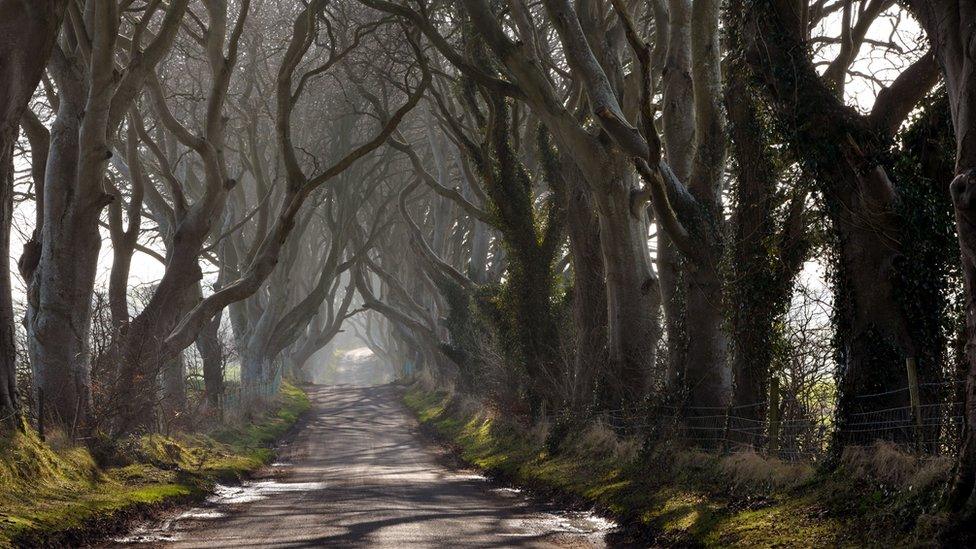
(726, 225)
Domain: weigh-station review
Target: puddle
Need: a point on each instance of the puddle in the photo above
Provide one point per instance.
(574, 523)
(507, 491)
(258, 490)
(200, 513)
(469, 476)
(169, 530)
(581, 522)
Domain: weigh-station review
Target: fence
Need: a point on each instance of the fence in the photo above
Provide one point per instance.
(793, 432)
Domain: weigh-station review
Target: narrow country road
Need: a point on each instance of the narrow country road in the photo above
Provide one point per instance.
(356, 475)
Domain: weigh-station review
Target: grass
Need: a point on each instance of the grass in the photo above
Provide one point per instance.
(683, 497)
(52, 496)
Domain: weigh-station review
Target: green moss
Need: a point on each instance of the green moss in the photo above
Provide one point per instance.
(686, 498)
(45, 493)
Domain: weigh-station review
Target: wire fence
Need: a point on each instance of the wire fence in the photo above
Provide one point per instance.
(796, 433)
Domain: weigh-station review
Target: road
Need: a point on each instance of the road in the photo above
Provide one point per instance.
(355, 474)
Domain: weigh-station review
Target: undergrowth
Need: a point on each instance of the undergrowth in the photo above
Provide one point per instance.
(682, 497)
(50, 496)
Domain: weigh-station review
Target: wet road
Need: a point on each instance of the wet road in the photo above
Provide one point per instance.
(356, 475)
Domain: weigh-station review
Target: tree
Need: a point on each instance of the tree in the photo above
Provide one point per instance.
(950, 26)
(29, 30)
(847, 155)
(92, 101)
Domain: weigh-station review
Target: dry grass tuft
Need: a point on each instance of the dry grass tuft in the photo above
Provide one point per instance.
(931, 472)
(747, 469)
(598, 439)
(887, 464)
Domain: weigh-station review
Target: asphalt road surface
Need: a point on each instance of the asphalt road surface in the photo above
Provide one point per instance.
(355, 474)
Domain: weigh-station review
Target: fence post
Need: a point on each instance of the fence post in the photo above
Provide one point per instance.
(773, 445)
(916, 401)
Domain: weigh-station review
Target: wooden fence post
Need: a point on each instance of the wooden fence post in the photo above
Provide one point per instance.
(916, 402)
(773, 445)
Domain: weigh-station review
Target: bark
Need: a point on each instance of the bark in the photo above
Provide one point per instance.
(760, 288)
(694, 139)
(589, 295)
(60, 292)
(950, 26)
(28, 32)
(9, 407)
(708, 378)
(93, 99)
(962, 497)
(124, 239)
(633, 295)
(173, 394)
(211, 353)
(679, 142)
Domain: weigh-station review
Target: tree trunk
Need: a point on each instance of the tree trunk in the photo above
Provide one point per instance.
(633, 297)
(707, 377)
(9, 409)
(480, 238)
(258, 374)
(143, 355)
(29, 31)
(760, 290)
(950, 26)
(173, 385)
(589, 292)
(962, 497)
(60, 293)
(875, 286)
(874, 334)
(208, 345)
(674, 296)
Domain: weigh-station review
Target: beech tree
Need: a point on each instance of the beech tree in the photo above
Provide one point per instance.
(845, 152)
(30, 31)
(92, 101)
(949, 25)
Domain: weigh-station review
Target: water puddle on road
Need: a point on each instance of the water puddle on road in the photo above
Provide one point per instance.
(580, 522)
(551, 521)
(168, 530)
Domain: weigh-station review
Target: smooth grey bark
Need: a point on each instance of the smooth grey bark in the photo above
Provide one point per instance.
(9, 407)
(632, 291)
(28, 31)
(589, 294)
(60, 291)
(211, 353)
(93, 98)
(678, 123)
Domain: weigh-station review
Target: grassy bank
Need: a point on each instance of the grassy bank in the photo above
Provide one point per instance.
(60, 496)
(682, 497)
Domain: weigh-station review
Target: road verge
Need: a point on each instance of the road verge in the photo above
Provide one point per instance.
(669, 496)
(60, 497)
